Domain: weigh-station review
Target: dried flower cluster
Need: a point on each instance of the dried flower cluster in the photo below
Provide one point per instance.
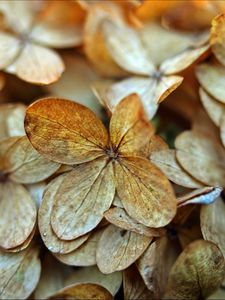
(112, 149)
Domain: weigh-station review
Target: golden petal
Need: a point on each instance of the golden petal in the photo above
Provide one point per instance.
(217, 37)
(67, 133)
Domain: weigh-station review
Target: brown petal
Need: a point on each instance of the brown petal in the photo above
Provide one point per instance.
(198, 271)
(111, 282)
(130, 131)
(182, 60)
(20, 273)
(214, 108)
(18, 215)
(52, 242)
(82, 198)
(168, 164)
(202, 157)
(85, 255)
(217, 38)
(38, 65)
(24, 164)
(206, 195)
(68, 132)
(120, 218)
(212, 223)
(146, 193)
(117, 249)
(83, 291)
(211, 76)
(126, 48)
(133, 285)
(155, 264)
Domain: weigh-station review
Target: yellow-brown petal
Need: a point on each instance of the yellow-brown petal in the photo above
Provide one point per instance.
(197, 272)
(68, 132)
(217, 38)
(118, 249)
(145, 192)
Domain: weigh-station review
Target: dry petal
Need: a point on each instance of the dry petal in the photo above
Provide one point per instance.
(120, 218)
(24, 164)
(222, 130)
(197, 272)
(217, 37)
(168, 164)
(83, 291)
(67, 133)
(212, 223)
(20, 273)
(52, 242)
(111, 282)
(82, 198)
(133, 285)
(85, 255)
(38, 65)
(154, 265)
(214, 108)
(146, 193)
(118, 249)
(126, 48)
(202, 157)
(211, 76)
(206, 195)
(9, 49)
(18, 215)
(130, 131)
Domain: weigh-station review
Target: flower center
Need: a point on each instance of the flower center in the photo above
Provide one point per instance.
(111, 154)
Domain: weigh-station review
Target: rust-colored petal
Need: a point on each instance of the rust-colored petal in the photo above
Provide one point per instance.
(82, 198)
(145, 192)
(129, 129)
(68, 132)
(117, 249)
(197, 272)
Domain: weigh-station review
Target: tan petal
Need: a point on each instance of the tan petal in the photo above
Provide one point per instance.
(25, 244)
(53, 277)
(222, 130)
(168, 164)
(111, 282)
(154, 265)
(36, 191)
(52, 242)
(133, 285)
(20, 273)
(12, 120)
(198, 272)
(18, 215)
(206, 195)
(85, 255)
(117, 202)
(146, 193)
(202, 157)
(217, 37)
(94, 43)
(9, 49)
(124, 45)
(38, 65)
(144, 87)
(82, 198)
(130, 131)
(68, 132)
(214, 108)
(165, 86)
(24, 164)
(120, 218)
(211, 76)
(212, 223)
(182, 60)
(118, 249)
(83, 291)
(75, 83)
